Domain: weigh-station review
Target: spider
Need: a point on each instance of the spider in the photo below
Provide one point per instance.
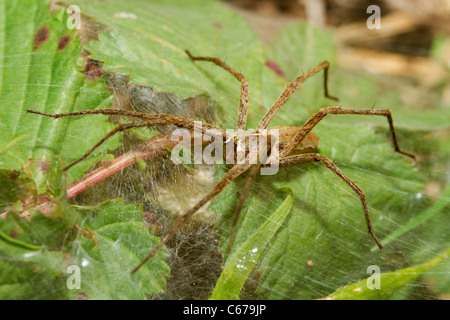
(293, 141)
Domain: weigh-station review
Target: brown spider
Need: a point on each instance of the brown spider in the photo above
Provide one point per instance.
(292, 141)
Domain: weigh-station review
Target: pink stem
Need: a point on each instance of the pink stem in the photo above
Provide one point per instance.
(153, 147)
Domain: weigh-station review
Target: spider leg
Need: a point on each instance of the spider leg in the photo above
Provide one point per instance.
(133, 114)
(243, 101)
(232, 174)
(248, 182)
(117, 129)
(321, 113)
(161, 118)
(312, 157)
(291, 88)
(152, 120)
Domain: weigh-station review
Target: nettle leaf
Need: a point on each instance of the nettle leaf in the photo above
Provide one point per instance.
(439, 208)
(114, 239)
(32, 260)
(147, 41)
(323, 244)
(41, 69)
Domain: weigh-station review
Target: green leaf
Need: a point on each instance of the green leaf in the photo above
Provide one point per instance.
(31, 275)
(164, 32)
(41, 68)
(40, 230)
(114, 240)
(422, 218)
(390, 282)
(10, 188)
(32, 257)
(298, 48)
(19, 243)
(241, 263)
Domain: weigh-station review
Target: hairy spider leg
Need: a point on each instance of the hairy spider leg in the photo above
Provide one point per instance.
(321, 113)
(291, 88)
(312, 157)
(243, 109)
(119, 128)
(312, 122)
(245, 191)
(232, 174)
(153, 120)
(243, 100)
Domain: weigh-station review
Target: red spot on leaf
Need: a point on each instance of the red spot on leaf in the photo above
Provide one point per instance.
(63, 42)
(218, 25)
(272, 65)
(40, 37)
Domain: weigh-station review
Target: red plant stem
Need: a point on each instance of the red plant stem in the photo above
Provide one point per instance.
(153, 147)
